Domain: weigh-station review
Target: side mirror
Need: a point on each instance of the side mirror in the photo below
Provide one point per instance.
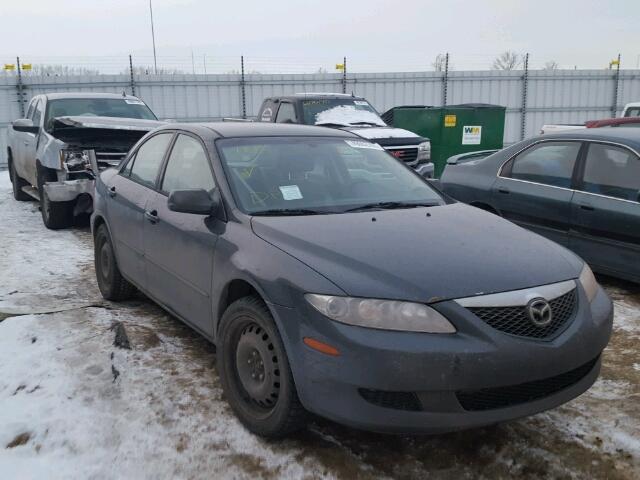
(25, 125)
(195, 201)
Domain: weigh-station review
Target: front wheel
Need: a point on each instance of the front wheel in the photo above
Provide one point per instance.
(55, 215)
(255, 373)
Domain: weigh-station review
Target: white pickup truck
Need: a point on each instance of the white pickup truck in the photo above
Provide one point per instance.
(630, 110)
(45, 149)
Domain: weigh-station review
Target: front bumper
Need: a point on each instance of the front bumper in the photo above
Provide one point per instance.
(436, 368)
(67, 190)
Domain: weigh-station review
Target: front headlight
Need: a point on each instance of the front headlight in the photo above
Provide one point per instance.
(74, 160)
(381, 314)
(424, 151)
(588, 282)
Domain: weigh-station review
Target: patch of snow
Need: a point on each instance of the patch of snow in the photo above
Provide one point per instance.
(627, 316)
(348, 115)
(388, 132)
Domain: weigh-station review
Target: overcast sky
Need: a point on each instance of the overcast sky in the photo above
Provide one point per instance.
(374, 34)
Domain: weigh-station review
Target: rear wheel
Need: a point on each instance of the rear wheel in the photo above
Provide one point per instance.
(112, 285)
(255, 373)
(55, 215)
(17, 183)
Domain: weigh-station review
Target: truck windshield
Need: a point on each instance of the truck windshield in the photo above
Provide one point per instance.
(340, 111)
(98, 107)
(306, 175)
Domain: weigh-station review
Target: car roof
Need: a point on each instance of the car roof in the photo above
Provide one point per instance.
(259, 129)
(58, 96)
(627, 136)
(311, 96)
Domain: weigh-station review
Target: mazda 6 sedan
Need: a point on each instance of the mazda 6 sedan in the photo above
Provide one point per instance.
(334, 280)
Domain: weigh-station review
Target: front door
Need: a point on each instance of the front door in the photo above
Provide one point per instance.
(179, 247)
(30, 146)
(606, 211)
(534, 188)
(130, 192)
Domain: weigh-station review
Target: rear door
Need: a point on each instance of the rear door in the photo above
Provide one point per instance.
(130, 191)
(606, 210)
(534, 188)
(179, 247)
(19, 139)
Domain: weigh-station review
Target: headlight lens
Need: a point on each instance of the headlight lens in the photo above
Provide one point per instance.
(381, 314)
(424, 151)
(589, 282)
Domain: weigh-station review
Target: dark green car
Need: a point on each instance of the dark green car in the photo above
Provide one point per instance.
(580, 189)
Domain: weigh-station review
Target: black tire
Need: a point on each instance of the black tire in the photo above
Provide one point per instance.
(17, 183)
(55, 215)
(249, 346)
(113, 286)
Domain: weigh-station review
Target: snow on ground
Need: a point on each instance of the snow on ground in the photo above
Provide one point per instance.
(72, 405)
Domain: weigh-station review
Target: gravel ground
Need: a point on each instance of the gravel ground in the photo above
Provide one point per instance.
(72, 405)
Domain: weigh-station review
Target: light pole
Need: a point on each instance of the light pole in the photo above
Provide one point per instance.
(153, 39)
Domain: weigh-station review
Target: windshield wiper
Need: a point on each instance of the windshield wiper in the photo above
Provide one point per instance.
(276, 212)
(373, 124)
(390, 206)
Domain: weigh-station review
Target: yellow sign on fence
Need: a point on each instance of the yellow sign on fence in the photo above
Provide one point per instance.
(9, 66)
(339, 66)
(26, 66)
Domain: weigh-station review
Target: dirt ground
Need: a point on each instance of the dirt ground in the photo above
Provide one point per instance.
(72, 405)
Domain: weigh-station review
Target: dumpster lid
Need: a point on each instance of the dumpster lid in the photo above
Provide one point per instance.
(460, 105)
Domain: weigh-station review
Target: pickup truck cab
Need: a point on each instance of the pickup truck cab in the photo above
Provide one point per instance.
(46, 151)
(351, 113)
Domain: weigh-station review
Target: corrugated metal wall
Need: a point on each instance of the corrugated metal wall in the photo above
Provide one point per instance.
(561, 96)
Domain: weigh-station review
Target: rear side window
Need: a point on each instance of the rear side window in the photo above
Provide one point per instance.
(148, 159)
(632, 112)
(268, 111)
(549, 163)
(612, 171)
(286, 113)
(188, 166)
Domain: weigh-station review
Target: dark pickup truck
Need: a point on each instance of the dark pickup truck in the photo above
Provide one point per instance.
(354, 114)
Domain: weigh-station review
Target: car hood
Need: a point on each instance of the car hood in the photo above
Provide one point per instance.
(112, 123)
(420, 254)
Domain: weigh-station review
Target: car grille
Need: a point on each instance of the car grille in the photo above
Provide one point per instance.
(408, 155)
(515, 321)
(396, 400)
(501, 397)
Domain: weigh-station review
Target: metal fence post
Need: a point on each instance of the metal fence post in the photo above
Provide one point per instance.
(242, 88)
(19, 88)
(616, 86)
(131, 81)
(525, 87)
(344, 75)
(445, 80)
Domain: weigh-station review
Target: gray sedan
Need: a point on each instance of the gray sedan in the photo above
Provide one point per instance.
(579, 189)
(334, 280)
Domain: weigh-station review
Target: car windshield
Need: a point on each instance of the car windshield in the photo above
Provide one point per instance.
(304, 176)
(99, 107)
(341, 112)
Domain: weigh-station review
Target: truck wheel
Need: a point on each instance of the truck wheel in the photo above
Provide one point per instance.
(17, 183)
(55, 215)
(111, 283)
(254, 371)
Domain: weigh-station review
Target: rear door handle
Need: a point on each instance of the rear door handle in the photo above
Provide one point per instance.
(587, 207)
(112, 191)
(26, 144)
(504, 190)
(152, 216)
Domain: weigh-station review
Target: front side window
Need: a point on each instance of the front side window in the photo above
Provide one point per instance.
(187, 167)
(325, 175)
(612, 171)
(549, 163)
(286, 113)
(37, 113)
(148, 159)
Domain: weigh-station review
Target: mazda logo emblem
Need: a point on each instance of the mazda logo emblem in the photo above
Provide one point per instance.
(539, 312)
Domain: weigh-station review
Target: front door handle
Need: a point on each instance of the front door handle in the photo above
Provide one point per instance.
(504, 190)
(112, 191)
(152, 216)
(587, 207)
(26, 144)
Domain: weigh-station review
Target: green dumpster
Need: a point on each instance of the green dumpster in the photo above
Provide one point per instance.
(452, 129)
